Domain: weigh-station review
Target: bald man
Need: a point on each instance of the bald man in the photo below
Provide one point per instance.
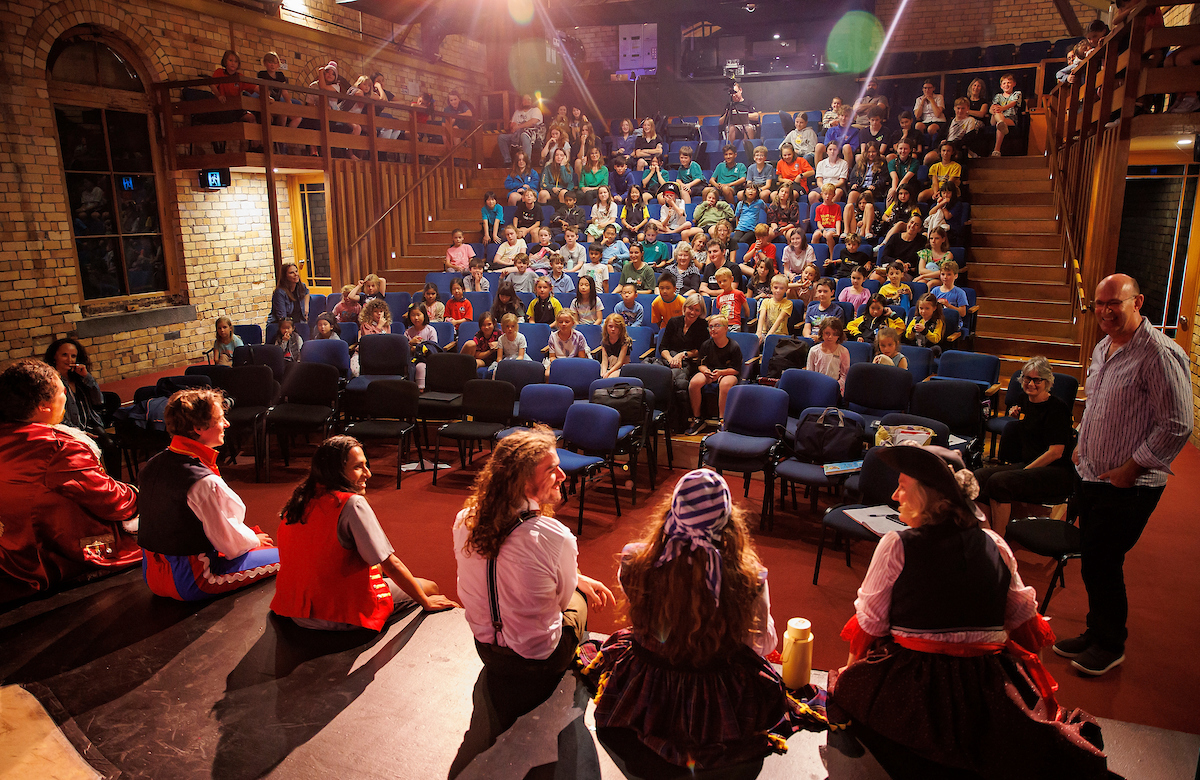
(1137, 419)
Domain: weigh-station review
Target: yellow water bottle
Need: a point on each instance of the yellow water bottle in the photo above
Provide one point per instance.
(797, 653)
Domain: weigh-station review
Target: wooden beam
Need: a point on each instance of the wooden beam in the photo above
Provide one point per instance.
(1068, 16)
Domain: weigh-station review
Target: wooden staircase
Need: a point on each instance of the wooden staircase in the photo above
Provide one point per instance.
(1016, 266)
(427, 250)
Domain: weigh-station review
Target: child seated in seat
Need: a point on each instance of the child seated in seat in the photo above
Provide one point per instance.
(493, 217)
(689, 176)
(483, 346)
(544, 307)
(963, 133)
(834, 171)
(539, 253)
(508, 251)
(774, 312)
(827, 219)
(830, 357)
(559, 281)
(796, 255)
(458, 255)
(833, 114)
(748, 215)
(458, 308)
(347, 310)
(434, 308)
(327, 328)
(758, 282)
(927, 327)
(948, 294)
(803, 287)
(289, 339)
(930, 109)
(761, 174)
(667, 304)
(655, 253)
(476, 282)
(930, 259)
(878, 316)
(672, 219)
(783, 216)
(760, 249)
(851, 257)
(634, 216)
(729, 176)
(630, 310)
(916, 141)
(720, 364)
(589, 310)
(511, 345)
(887, 348)
(574, 253)
(565, 341)
(367, 289)
(821, 308)
(521, 275)
(1005, 106)
(375, 318)
(615, 345)
(419, 332)
(528, 217)
(708, 214)
(731, 302)
(803, 140)
(595, 268)
(569, 216)
(225, 342)
(856, 295)
(944, 173)
(621, 180)
(896, 292)
(614, 253)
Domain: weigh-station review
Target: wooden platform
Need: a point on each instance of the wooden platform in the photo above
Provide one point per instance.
(157, 689)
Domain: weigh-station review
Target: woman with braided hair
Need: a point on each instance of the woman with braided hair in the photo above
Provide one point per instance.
(525, 599)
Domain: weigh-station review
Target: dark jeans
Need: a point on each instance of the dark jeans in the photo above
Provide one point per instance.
(1111, 520)
(1013, 482)
(518, 685)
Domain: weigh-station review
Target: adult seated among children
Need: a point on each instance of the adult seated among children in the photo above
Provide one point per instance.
(64, 517)
(334, 554)
(193, 530)
(943, 678)
(522, 129)
(518, 577)
(290, 301)
(689, 677)
(1040, 469)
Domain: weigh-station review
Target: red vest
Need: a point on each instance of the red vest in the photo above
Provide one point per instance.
(320, 579)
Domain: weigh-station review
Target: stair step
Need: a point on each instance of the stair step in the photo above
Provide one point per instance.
(1025, 162)
(1015, 307)
(988, 225)
(988, 198)
(1030, 291)
(1026, 327)
(1018, 184)
(1016, 272)
(1007, 174)
(1017, 241)
(1011, 211)
(987, 254)
(1002, 344)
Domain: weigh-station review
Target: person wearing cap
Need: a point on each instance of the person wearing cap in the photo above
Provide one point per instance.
(518, 578)
(673, 219)
(689, 677)
(1137, 419)
(943, 672)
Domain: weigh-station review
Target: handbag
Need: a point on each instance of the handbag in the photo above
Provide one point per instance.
(627, 399)
(828, 437)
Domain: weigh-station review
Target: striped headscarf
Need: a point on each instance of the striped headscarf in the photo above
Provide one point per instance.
(700, 508)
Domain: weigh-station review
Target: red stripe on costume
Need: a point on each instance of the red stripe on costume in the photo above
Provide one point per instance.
(160, 578)
(859, 639)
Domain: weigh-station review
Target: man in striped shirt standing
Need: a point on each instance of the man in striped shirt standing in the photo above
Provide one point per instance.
(1137, 419)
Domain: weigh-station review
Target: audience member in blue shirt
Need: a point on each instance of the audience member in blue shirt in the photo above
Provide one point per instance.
(629, 308)
(614, 253)
(730, 176)
(749, 214)
(626, 142)
(620, 178)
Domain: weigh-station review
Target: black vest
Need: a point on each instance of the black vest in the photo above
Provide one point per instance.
(953, 580)
(167, 524)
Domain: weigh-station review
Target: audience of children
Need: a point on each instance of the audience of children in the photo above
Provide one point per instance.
(614, 346)
(829, 356)
(879, 315)
(588, 308)
(565, 341)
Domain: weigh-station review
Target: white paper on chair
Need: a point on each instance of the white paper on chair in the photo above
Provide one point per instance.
(957, 440)
(879, 520)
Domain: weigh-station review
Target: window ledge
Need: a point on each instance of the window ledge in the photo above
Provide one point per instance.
(121, 322)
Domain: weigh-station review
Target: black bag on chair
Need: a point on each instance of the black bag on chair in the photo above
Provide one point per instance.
(789, 353)
(829, 437)
(627, 399)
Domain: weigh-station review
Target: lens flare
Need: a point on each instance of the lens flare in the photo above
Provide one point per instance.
(521, 11)
(854, 43)
(529, 70)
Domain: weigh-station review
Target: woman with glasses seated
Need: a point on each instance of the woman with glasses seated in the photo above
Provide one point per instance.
(1043, 438)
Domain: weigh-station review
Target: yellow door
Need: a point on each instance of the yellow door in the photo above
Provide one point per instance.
(310, 229)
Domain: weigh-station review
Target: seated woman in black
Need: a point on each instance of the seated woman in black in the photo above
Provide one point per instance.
(689, 678)
(943, 678)
(1037, 446)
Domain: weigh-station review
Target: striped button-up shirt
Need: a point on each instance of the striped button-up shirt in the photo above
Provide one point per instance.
(1139, 405)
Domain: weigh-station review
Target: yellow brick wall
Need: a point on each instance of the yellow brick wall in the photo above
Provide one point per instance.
(225, 261)
(943, 24)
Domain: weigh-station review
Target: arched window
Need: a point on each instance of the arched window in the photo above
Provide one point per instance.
(110, 167)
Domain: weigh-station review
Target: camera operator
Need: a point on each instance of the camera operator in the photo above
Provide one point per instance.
(738, 104)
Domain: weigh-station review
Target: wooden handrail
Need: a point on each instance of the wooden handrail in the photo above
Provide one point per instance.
(449, 156)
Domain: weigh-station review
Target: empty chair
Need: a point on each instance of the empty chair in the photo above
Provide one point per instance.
(576, 373)
(1033, 52)
(253, 390)
(983, 370)
(380, 356)
(1059, 540)
(537, 336)
(331, 352)
(996, 424)
(878, 482)
(398, 302)
(486, 410)
(390, 407)
(446, 373)
(249, 334)
(860, 351)
(754, 415)
(1000, 54)
(592, 430)
(874, 390)
(519, 373)
(954, 402)
(311, 399)
(544, 404)
(261, 355)
(920, 361)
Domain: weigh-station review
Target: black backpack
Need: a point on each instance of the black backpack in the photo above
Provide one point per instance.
(828, 436)
(788, 353)
(627, 399)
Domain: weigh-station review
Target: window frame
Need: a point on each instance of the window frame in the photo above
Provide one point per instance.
(67, 94)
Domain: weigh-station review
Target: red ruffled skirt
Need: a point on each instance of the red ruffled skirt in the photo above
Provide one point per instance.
(735, 710)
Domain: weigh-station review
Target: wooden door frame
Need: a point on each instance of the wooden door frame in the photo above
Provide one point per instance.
(1189, 299)
(294, 180)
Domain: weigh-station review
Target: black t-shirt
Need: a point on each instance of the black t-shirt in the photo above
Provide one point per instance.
(525, 219)
(865, 136)
(743, 107)
(718, 358)
(273, 91)
(1043, 425)
(675, 339)
(642, 143)
(979, 105)
(848, 261)
(709, 274)
(904, 251)
(463, 107)
(912, 136)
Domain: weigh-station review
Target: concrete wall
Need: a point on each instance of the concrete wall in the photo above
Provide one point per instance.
(223, 258)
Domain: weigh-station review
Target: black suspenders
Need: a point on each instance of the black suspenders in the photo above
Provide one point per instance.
(493, 591)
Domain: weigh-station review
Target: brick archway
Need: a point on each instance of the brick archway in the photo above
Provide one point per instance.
(62, 17)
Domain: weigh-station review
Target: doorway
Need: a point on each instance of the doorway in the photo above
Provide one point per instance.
(310, 230)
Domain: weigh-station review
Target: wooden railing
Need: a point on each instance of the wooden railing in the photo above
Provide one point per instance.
(1090, 123)
(384, 189)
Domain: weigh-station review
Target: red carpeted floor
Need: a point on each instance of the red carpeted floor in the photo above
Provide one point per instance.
(1154, 687)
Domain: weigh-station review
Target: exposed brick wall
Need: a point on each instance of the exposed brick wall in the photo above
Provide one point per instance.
(600, 43)
(941, 24)
(1148, 238)
(224, 263)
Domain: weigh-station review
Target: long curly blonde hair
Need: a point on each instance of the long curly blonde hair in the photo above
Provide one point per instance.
(372, 309)
(501, 488)
(670, 606)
